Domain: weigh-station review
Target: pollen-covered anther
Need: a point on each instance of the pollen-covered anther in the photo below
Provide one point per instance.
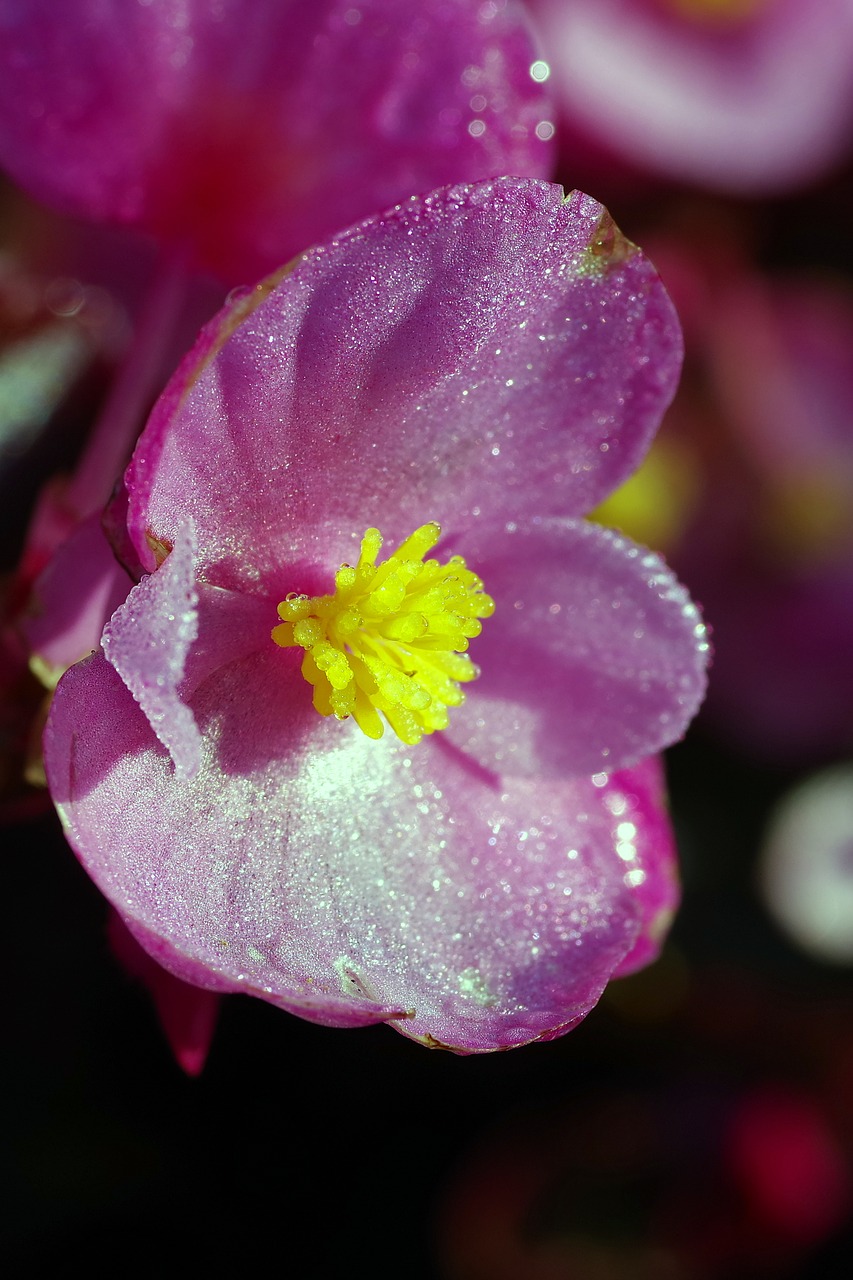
(392, 637)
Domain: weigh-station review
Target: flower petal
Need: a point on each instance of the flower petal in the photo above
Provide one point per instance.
(71, 600)
(491, 351)
(147, 641)
(245, 132)
(172, 634)
(645, 841)
(187, 1013)
(595, 656)
(353, 881)
(754, 102)
(204, 887)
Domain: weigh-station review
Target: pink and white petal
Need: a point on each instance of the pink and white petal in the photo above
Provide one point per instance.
(491, 351)
(281, 120)
(346, 880)
(594, 659)
(196, 867)
(81, 586)
(147, 641)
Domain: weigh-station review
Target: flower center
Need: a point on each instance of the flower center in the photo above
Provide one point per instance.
(391, 639)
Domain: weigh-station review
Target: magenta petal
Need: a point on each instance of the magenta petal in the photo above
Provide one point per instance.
(491, 351)
(147, 641)
(351, 881)
(72, 598)
(247, 131)
(187, 1014)
(646, 843)
(595, 656)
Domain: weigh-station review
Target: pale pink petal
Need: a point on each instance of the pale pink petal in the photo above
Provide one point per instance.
(178, 875)
(147, 641)
(230, 625)
(487, 352)
(351, 881)
(247, 131)
(595, 656)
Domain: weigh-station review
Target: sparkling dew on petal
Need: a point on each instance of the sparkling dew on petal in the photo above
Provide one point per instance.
(391, 639)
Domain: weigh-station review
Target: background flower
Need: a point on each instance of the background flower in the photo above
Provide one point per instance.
(743, 96)
(757, 452)
(244, 132)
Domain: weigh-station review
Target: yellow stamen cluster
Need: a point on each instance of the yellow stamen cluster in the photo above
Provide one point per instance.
(392, 637)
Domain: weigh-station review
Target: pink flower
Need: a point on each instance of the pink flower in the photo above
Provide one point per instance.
(764, 408)
(747, 96)
(243, 132)
(490, 357)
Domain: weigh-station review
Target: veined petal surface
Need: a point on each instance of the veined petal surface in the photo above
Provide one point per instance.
(491, 352)
(595, 656)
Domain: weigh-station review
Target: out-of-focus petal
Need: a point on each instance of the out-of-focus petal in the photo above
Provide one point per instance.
(783, 681)
(247, 131)
(594, 659)
(71, 600)
(491, 351)
(751, 101)
(352, 881)
(779, 351)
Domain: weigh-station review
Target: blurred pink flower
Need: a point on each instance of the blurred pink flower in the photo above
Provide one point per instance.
(491, 357)
(765, 404)
(743, 96)
(244, 132)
